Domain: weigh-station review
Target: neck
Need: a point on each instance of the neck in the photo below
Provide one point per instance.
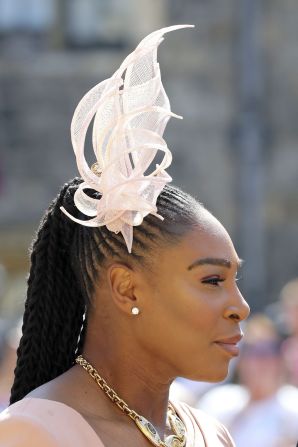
(141, 382)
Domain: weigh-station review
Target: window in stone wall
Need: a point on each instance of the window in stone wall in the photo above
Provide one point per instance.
(96, 22)
(26, 15)
(112, 22)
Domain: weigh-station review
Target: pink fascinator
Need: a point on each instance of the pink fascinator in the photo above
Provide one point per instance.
(130, 110)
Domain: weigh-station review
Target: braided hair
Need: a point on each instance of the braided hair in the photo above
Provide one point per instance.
(66, 259)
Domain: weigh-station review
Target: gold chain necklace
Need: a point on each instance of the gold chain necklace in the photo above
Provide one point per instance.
(176, 440)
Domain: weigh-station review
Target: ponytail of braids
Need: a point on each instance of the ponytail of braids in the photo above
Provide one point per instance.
(55, 305)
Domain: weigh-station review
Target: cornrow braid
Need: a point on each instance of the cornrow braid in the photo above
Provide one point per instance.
(65, 261)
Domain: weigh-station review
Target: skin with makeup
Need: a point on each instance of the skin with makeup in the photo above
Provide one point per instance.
(188, 326)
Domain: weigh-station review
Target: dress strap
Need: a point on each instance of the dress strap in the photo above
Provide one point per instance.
(195, 435)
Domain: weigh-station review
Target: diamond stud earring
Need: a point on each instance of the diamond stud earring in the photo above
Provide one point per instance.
(135, 311)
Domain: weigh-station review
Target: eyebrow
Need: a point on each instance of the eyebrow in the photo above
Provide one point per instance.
(214, 261)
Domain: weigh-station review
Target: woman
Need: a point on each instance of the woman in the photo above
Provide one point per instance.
(110, 320)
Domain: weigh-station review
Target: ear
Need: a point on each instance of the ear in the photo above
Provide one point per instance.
(121, 281)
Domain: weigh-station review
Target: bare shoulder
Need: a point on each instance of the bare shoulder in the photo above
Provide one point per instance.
(69, 388)
(73, 390)
(57, 389)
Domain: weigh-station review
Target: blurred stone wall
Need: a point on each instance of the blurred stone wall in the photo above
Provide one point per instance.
(41, 85)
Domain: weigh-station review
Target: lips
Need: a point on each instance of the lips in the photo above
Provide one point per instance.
(231, 340)
(229, 344)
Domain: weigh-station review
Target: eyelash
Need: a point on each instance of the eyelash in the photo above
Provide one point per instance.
(214, 281)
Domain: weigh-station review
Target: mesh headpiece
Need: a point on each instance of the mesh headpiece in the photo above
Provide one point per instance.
(130, 110)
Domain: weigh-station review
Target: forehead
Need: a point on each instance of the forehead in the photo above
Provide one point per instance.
(208, 239)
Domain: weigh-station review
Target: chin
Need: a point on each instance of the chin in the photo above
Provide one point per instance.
(215, 375)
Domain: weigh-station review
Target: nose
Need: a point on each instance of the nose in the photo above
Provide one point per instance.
(238, 308)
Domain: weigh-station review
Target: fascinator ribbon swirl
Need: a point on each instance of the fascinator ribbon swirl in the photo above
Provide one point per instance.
(130, 111)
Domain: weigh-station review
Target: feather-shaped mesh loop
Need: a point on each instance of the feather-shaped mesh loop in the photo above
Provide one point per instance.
(130, 110)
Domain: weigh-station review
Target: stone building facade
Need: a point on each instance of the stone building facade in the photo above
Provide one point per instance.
(45, 70)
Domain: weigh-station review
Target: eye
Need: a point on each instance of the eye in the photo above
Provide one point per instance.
(213, 281)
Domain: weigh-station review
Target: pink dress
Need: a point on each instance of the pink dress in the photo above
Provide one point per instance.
(34, 422)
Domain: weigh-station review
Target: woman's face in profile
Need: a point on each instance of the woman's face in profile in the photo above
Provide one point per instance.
(191, 303)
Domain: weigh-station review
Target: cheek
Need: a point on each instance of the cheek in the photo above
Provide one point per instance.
(180, 326)
(190, 317)
(193, 308)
